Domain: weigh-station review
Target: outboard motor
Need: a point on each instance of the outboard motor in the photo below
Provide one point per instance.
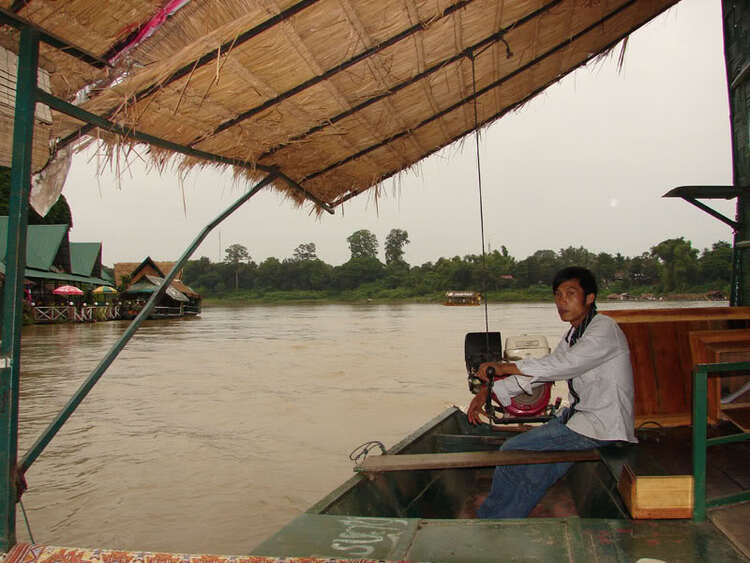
(480, 347)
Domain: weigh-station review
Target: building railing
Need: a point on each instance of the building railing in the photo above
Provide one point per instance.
(701, 441)
(67, 313)
(53, 313)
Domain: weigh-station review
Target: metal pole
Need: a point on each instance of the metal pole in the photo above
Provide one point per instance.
(117, 347)
(15, 264)
(700, 416)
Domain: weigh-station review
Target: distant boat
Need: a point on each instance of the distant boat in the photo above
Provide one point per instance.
(463, 298)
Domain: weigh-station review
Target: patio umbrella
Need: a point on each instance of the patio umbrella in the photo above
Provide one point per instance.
(105, 290)
(67, 290)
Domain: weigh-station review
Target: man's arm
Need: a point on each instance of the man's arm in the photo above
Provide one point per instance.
(600, 343)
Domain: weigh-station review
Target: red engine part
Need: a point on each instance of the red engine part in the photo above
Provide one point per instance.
(530, 405)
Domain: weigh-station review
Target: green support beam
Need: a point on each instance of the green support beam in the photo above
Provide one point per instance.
(701, 442)
(736, 16)
(15, 263)
(700, 431)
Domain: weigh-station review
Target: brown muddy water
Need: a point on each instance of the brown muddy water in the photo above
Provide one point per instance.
(207, 435)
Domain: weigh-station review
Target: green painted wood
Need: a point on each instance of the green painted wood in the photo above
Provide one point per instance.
(736, 16)
(342, 537)
(700, 417)
(15, 263)
(490, 541)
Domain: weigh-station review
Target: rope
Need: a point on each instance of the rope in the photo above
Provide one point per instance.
(488, 407)
(359, 454)
(481, 205)
(26, 519)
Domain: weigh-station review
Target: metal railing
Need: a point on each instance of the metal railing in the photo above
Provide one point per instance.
(701, 441)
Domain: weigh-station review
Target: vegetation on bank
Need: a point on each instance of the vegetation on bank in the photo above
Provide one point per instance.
(671, 269)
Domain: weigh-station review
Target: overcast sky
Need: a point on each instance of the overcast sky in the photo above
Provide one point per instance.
(583, 164)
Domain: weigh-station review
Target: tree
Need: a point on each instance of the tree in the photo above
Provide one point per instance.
(358, 271)
(394, 246)
(305, 251)
(236, 254)
(716, 264)
(270, 274)
(644, 269)
(606, 268)
(363, 244)
(680, 263)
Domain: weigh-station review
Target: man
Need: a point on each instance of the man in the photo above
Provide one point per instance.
(595, 361)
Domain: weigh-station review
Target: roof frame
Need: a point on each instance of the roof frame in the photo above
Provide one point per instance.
(17, 22)
(201, 61)
(467, 53)
(103, 123)
(484, 90)
(327, 74)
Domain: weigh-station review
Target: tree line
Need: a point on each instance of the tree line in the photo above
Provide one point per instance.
(671, 266)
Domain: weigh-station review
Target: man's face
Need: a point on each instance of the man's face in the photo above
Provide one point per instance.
(571, 304)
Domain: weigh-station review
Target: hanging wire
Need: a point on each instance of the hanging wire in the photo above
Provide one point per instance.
(26, 519)
(472, 57)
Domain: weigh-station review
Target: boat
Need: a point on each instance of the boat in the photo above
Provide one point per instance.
(420, 514)
(236, 91)
(463, 298)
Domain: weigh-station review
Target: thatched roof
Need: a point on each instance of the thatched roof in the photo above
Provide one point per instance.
(136, 270)
(337, 94)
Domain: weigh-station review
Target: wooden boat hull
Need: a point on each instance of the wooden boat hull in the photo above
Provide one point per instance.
(420, 515)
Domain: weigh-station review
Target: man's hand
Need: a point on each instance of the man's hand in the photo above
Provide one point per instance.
(501, 368)
(476, 405)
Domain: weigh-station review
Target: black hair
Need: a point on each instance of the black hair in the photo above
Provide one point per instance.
(583, 275)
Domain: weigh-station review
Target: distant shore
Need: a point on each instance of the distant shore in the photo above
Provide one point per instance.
(531, 295)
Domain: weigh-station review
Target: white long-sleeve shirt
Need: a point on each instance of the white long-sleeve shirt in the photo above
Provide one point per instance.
(599, 367)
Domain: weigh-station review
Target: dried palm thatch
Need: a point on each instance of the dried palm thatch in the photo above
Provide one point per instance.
(337, 94)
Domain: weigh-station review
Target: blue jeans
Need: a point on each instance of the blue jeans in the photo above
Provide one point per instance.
(516, 489)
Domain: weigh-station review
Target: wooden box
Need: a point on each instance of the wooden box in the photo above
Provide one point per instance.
(656, 496)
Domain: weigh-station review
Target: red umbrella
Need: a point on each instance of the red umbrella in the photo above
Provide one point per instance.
(67, 290)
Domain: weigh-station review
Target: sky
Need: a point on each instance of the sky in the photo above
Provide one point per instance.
(583, 164)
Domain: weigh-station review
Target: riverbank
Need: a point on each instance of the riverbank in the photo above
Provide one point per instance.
(536, 294)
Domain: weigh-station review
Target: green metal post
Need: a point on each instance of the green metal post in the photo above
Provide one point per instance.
(736, 16)
(15, 264)
(700, 423)
(117, 347)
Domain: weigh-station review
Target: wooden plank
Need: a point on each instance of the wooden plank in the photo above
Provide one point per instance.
(627, 316)
(660, 353)
(642, 362)
(470, 459)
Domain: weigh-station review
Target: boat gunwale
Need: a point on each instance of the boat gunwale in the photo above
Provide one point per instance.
(327, 501)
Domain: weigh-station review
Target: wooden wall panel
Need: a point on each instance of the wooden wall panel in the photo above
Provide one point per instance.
(662, 357)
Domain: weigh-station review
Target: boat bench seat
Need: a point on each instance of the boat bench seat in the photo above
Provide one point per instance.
(453, 460)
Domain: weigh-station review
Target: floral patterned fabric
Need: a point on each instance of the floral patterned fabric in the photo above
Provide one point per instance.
(33, 553)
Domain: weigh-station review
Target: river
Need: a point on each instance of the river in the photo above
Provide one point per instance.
(207, 435)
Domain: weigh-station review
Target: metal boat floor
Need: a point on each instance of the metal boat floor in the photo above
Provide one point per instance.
(478, 541)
